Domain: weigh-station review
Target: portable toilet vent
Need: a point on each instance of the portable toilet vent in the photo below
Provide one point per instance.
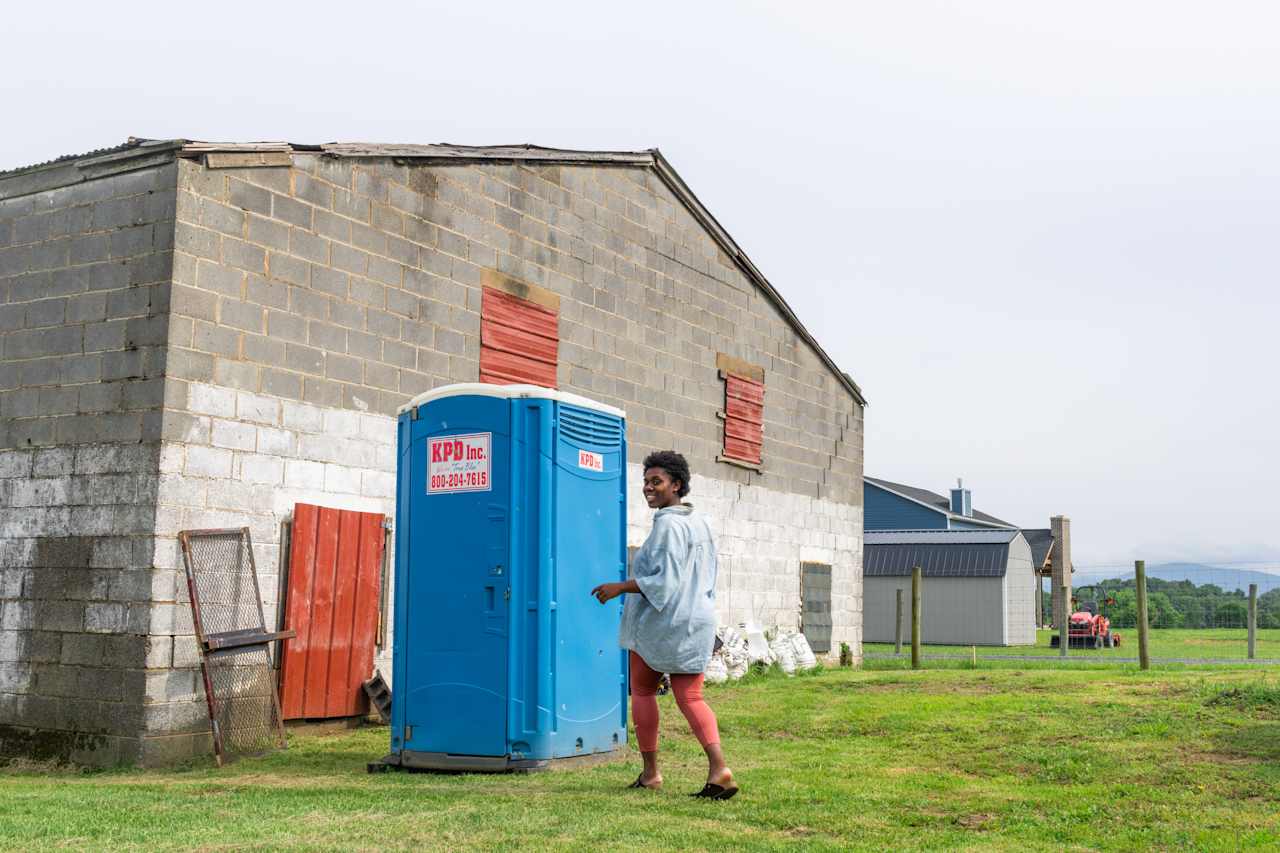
(510, 507)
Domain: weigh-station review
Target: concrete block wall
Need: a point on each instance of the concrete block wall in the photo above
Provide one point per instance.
(84, 292)
(351, 285)
(245, 459)
(355, 283)
(762, 536)
(248, 336)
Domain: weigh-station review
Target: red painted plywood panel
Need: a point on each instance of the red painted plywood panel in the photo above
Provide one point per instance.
(322, 594)
(519, 340)
(364, 630)
(335, 572)
(742, 410)
(736, 448)
(293, 658)
(742, 429)
(503, 368)
(744, 419)
(519, 313)
(744, 389)
(344, 611)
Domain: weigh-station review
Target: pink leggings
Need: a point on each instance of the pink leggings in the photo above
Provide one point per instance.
(644, 705)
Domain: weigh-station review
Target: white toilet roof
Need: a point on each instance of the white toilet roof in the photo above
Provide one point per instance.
(484, 389)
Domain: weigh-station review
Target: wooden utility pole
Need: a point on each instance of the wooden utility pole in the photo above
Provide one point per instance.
(916, 583)
(1253, 618)
(897, 625)
(1140, 571)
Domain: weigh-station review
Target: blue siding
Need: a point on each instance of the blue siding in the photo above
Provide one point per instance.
(883, 510)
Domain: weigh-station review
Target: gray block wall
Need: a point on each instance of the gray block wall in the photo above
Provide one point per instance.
(355, 283)
(84, 294)
(297, 306)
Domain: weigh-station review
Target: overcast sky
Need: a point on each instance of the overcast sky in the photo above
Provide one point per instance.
(1042, 237)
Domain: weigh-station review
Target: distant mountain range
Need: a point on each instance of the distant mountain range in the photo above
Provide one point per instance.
(1227, 579)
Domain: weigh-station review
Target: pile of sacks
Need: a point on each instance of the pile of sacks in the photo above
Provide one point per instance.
(739, 648)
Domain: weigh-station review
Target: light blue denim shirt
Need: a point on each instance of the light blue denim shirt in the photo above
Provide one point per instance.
(672, 623)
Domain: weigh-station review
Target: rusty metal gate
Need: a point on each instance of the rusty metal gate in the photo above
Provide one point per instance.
(332, 600)
(235, 658)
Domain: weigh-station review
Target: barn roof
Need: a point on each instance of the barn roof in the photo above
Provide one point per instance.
(934, 501)
(1041, 541)
(74, 168)
(939, 553)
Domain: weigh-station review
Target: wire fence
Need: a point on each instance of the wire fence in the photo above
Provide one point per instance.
(1195, 615)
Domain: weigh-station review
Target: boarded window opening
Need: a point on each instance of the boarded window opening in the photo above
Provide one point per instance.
(519, 333)
(743, 413)
(815, 612)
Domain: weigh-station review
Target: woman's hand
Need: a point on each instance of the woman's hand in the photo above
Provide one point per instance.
(606, 591)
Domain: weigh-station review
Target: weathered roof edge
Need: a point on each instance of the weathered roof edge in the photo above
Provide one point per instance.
(141, 153)
(76, 168)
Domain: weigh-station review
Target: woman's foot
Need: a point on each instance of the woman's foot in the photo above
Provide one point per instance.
(722, 777)
(653, 783)
(720, 786)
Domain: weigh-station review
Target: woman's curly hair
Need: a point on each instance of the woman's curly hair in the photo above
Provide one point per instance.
(675, 466)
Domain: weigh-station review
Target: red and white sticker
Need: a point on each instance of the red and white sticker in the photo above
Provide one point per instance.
(459, 463)
(590, 461)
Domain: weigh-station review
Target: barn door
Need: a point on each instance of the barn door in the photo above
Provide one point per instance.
(815, 613)
(331, 601)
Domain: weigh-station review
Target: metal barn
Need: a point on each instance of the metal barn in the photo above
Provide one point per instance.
(979, 586)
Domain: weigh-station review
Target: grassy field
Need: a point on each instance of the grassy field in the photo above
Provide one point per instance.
(1166, 643)
(1109, 759)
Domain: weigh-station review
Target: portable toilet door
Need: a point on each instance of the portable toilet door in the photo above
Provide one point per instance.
(453, 518)
(510, 506)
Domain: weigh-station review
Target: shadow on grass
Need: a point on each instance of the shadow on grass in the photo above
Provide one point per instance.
(1260, 741)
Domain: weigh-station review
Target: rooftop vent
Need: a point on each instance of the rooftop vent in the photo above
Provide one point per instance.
(961, 499)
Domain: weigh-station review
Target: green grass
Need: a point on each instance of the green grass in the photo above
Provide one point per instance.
(1195, 644)
(1111, 759)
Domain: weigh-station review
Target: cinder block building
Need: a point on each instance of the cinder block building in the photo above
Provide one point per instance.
(200, 335)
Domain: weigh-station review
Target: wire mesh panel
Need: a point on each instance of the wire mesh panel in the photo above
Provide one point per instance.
(225, 581)
(243, 684)
(226, 608)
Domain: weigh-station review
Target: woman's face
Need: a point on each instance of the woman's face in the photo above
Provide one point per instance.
(659, 489)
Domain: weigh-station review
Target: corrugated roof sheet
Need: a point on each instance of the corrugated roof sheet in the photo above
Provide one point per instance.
(933, 499)
(66, 158)
(939, 553)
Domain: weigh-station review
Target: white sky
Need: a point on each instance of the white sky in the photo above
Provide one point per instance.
(1042, 237)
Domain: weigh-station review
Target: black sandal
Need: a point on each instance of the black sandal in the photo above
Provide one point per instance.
(712, 791)
(639, 783)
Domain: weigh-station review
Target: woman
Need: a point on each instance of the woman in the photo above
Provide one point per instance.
(669, 622)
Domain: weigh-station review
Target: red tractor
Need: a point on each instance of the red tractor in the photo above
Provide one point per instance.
(1089, 629)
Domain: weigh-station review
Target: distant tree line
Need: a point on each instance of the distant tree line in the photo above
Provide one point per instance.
(1176, 604)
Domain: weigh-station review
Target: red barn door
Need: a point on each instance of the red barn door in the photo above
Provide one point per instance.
(331, 601)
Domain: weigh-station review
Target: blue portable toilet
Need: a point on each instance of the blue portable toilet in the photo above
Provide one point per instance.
(510, 507)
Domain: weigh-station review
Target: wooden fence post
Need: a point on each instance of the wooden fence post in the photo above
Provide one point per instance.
(897, 625)
(1253, 618)
(1140, 572)
(1064, 636)
(916, 583)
